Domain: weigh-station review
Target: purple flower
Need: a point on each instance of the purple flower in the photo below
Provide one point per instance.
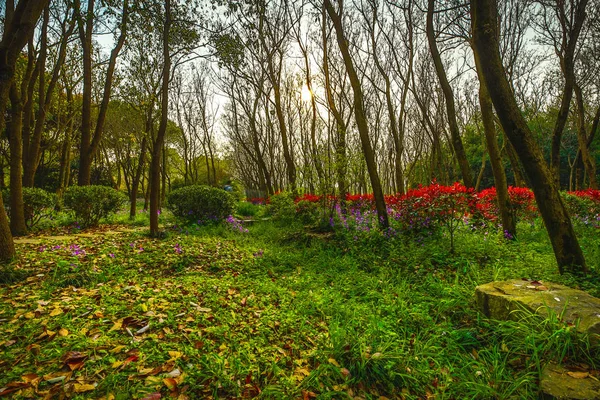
(57, 247)
(259, 253)
(76, 250)
(111, 255)
(177, 248)
(42, 248)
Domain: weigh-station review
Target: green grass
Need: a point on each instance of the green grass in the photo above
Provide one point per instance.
(278, 312)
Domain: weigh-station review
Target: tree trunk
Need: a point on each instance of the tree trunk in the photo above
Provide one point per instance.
(359, 114)
(19, 25)
(507, 215)
(162, 128)
(582, 140)
(135, 184)
(339, 142)
(18, 226)
(89, 143)
(558, 224)
(457, 144)
(514, 163)
(569, 37)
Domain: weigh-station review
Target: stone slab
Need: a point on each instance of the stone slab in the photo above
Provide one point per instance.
(502, 300)
(556, 383)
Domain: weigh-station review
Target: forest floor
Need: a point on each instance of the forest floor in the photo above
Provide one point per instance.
(276, 312)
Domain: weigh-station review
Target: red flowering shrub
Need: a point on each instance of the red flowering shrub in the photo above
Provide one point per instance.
(362, 202)
(584, 206)
(522, 201)
(311, 198)
(428, 207)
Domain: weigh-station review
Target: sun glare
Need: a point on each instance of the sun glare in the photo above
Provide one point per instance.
(306, 93)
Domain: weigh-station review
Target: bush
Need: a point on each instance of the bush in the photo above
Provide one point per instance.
(201, 203)
(90, 203)
(307, 211)
(247, 209)
(38, 204)
(282, 206)
(582, 208)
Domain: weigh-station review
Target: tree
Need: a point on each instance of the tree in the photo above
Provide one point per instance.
(19, 24)
(558, 223)
(457, 144)
(359, 112)
(90, 142)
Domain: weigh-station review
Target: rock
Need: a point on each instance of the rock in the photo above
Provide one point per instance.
(556, 383)
(503, 300)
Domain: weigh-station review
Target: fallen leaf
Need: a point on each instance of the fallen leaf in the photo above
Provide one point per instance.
(334, 362)
(63, 332)
(27, 378)
(82, 388)
(170, 383)
(55, 312)
(152, 396)
(174, 374)
(117, 325)
(117, 349)
(578, 375)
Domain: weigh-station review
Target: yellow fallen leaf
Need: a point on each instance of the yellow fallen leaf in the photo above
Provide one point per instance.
(578, 375)
(63, 332)
(332, 361)
(117, 364)
(175, 355)
(29, 315)
(55, 312)
(117, 349)
(81, 388)
(117, 325)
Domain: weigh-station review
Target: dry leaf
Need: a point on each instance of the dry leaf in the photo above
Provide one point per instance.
(170, 383)
(578, 375)
(81, 388)
(63, 332)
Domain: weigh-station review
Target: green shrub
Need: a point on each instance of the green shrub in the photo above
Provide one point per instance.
(247, 209)
(307, 211)
(282, 206)
(90, 203)
(580, 206)
(38, 203)
(201, 204)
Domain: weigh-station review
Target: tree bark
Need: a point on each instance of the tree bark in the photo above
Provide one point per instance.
(558, 223)
(135, 183)
(19, 25)
(457, 144)
(162, 127)
(18, 227)
(359, 114)
(569, 37)
(507, 215)
(582, 140)
(89, 143)
(339, 142)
